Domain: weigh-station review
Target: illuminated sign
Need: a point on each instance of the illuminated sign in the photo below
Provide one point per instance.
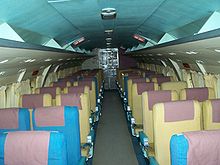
(78, 41)
(139, 38)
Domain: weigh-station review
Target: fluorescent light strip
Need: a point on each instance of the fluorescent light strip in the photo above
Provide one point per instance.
(2, 73)
(47, 60)
(217, 50)
(4, 61)
(191, 52)
(108, 31)
(172, 54)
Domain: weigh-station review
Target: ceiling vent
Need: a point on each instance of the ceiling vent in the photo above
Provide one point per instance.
(108, 13)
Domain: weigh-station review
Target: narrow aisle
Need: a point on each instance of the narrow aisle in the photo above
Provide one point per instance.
(113, 142)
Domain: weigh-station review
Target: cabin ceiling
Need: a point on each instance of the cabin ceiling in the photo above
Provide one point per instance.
(38, 21)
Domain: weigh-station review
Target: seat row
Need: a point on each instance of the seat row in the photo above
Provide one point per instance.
(172, 120)
(72, 112)
(144, 100)
(156, 114)
(61, 123)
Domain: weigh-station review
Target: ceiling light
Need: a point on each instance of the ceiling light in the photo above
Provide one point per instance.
(150, 54)
(159, 54)
(172, 54)
(109, 31)
(191, 52)
(29, 60)
(108, 43)
(68, 59)
(2, 73)
(108, 39)
(60, 59)
(4, 61)
(200, 61)
(108, 13)
(22, 70)
(32, 60)
(217, 50)
(47, 60)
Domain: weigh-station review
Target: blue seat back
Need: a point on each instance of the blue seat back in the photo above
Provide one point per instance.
(178, 149)
(14, 119)
(70, 129)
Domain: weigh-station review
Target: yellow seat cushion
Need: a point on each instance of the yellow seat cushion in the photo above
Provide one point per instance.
(211, 108)
(148, 100)
(172, 118)
(84, 114)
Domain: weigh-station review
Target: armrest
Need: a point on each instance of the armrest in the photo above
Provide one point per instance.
(128, 108)
(129, 113)
(92, 118)
(132, 120)
(82, 160)
(91, 136)
(133, 126)
(143, 139)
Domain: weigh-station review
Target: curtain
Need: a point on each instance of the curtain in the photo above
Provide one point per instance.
(2, 97)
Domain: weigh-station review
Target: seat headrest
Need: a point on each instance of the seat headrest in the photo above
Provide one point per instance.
(200, 94)
(32, 100)
(61, 84)
(86, 83)
(215, 110)
(50, 90)
(144, 86)
(29, 147)
(9, 118)
(155, 75)
(160, 80)
(49, 116)
(158, 97)
(138, 80)
(71, 100)
(76, 89)
(205, 145)
(178, 111)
